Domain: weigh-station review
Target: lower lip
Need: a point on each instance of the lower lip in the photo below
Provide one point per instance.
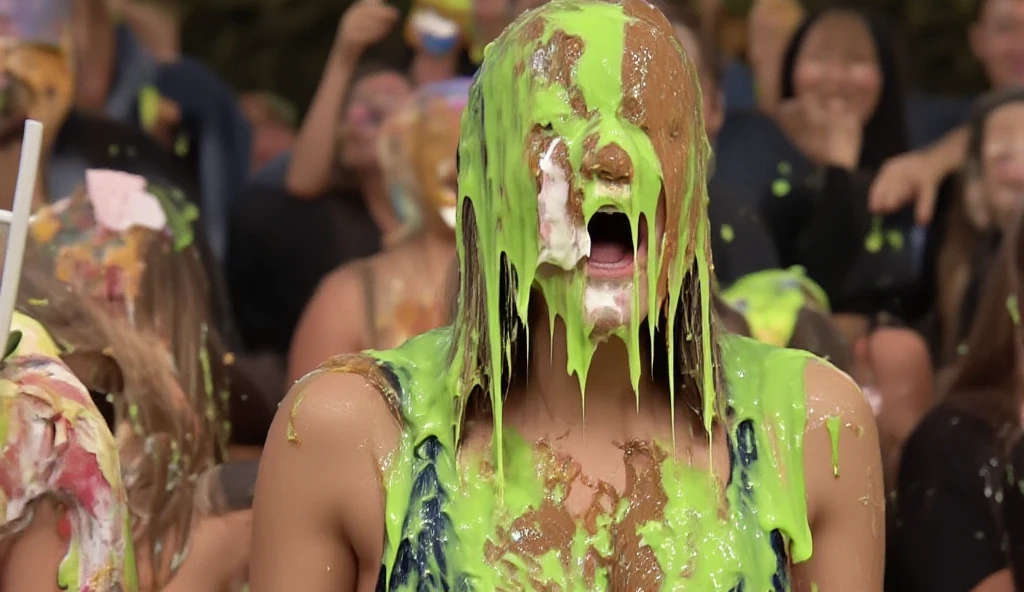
(621, 270)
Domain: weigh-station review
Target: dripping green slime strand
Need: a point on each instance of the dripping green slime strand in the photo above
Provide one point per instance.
(833, 426)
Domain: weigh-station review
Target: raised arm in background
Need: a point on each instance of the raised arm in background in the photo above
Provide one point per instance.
(309, 171)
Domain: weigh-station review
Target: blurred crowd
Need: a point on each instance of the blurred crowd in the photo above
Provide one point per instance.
(850, 217)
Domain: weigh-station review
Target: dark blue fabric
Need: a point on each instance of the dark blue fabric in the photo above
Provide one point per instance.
(273, 173)
(740, 244)
(944, 532)
(738, 86)
(218, 134)
(134, 69)
(743, 455)
(279, 250)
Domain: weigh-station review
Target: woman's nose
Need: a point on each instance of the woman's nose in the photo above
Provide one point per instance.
(610, 164)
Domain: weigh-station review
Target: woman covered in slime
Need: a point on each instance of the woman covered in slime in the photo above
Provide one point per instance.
(557, 436)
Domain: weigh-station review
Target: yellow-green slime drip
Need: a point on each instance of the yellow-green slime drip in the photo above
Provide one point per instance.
(833, 425)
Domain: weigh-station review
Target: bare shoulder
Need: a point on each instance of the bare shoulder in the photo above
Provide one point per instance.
(339, 293)
(343, 282)
(318, 511)
(842, 460)
(331, 433)
(319, 498)
(326, 327)
(832, 393)
(336, 407)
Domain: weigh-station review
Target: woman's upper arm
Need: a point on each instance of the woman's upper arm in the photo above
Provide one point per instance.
(846, 502)
(318, 519)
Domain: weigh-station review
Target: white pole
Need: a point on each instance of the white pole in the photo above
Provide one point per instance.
(17, 234)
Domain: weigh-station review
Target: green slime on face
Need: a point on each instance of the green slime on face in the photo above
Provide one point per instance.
(503, 191)
(693, 542)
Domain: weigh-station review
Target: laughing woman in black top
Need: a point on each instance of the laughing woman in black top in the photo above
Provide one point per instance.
(949, 532)
(843, 109)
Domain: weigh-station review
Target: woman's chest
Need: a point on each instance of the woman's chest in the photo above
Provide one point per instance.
(547, 525)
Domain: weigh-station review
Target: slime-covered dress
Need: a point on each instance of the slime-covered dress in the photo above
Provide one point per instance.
(453, 525)
(54, 442)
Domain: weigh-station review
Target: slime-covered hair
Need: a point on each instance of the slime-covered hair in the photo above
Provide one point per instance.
(604, 79)
(165, 287)
(771, 301)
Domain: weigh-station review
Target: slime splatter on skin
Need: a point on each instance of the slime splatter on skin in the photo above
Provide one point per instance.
(599, 100)
(54, 442)
(771, 302)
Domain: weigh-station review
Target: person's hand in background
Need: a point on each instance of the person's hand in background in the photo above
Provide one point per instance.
(826, 133)
(156, 26)
(364, 23)
(915, 177)
(910, 178)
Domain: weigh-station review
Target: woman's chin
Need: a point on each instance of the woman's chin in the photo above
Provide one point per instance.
(608, 321)
(608, 305)
(605, 323)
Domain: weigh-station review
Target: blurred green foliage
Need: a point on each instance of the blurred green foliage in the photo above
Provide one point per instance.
(281, 45)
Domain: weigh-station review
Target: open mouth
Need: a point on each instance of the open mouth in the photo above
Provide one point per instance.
(611, 244)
